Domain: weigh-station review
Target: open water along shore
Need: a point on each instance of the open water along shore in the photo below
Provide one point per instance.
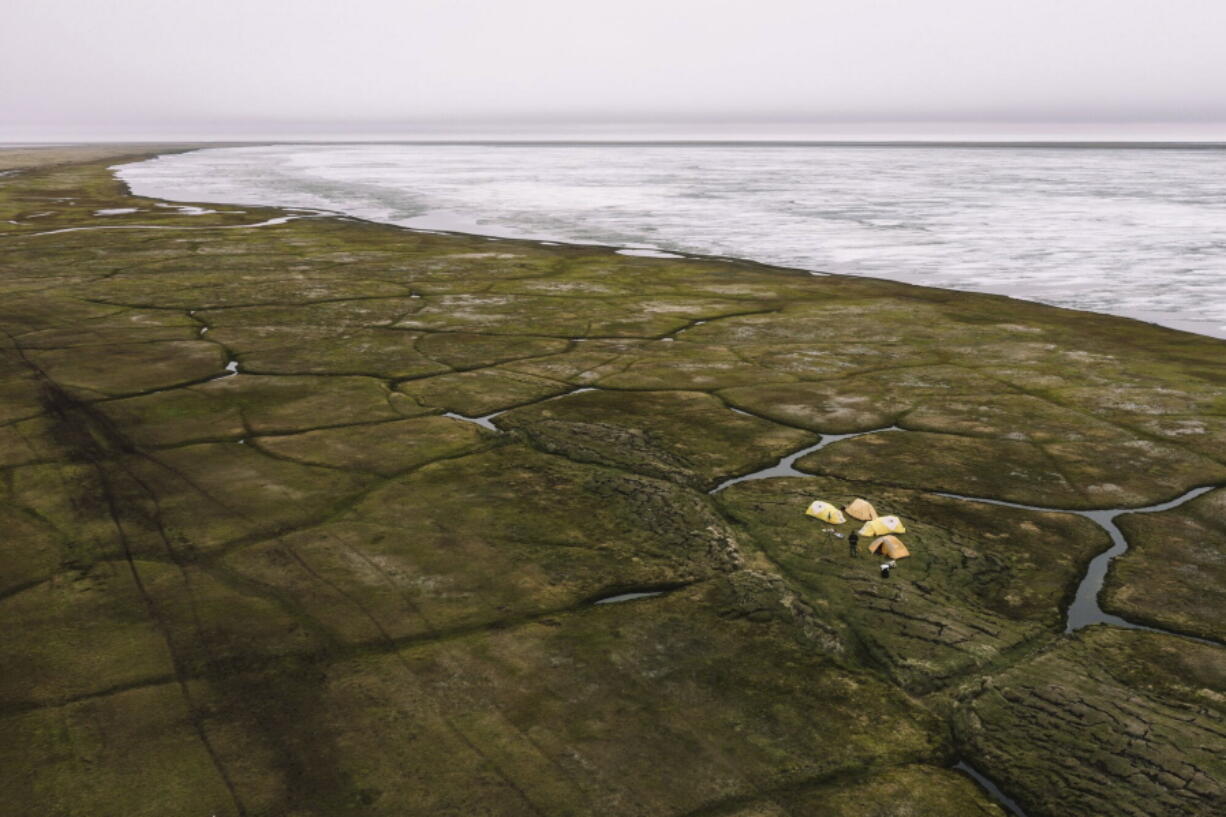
(311, 515)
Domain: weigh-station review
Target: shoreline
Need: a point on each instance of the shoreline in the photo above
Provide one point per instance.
(682, 254)
(450, 222)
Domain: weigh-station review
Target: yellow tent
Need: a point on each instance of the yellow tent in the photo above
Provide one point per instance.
(882, 525)
(825, 512)
(890, 546)
(859, 509)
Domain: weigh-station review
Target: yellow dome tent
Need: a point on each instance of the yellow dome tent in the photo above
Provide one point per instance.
(860, 509)
(825, 512)
(882, 525)
(890, 546)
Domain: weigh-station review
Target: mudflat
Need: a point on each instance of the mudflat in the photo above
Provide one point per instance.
(307, 515)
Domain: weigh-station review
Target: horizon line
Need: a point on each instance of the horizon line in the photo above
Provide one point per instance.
(647, 142)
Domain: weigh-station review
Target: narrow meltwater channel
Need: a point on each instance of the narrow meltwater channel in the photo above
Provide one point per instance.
(784, 467)
(621, 597)
(991, 788)
(484, 420)
(1084, 609)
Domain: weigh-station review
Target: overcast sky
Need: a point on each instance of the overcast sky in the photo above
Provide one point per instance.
(225, 68)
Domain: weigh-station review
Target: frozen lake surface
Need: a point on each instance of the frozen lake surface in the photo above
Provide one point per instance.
(1135, 232)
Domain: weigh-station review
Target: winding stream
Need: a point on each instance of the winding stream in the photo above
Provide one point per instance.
(1084, 609)
(991, 788)
(484, 420)
(784, 467)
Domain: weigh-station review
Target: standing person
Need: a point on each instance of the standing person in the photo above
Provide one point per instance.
(852, 540)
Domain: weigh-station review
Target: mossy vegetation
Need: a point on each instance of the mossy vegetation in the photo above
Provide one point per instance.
(900, 791)
(589, 712)
(688, 437)
(1079, 475)
(1111, 721)
(249, 568)
(130, 752)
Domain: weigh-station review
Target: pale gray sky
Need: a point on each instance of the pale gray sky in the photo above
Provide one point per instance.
(225, 68)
